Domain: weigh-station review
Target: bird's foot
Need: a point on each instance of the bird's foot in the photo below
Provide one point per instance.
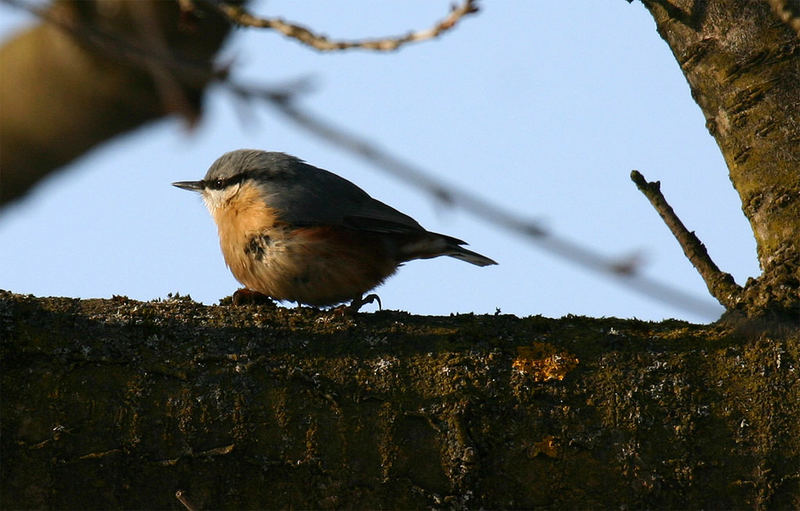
(357, 303)
(246, 296)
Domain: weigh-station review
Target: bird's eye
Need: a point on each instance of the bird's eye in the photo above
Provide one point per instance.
(219, 184)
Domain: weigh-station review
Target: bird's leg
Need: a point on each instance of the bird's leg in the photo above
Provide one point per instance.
(246, 296)
(357, 303)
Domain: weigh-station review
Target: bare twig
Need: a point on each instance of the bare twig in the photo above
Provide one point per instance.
(181, 496)
(788, 12)
(240, 16)
(720, 284)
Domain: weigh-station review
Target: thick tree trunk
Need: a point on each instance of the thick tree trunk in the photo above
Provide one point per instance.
(95, 70)
(117, 404)
(742, 63)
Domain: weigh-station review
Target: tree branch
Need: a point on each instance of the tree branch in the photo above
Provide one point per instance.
(124, 67)
(116, 404)
(720, 284)
(239, 16)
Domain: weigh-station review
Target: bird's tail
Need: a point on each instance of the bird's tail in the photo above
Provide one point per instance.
(470, 256)
(435, 245)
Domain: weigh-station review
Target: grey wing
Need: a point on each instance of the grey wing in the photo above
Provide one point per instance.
(313, 196)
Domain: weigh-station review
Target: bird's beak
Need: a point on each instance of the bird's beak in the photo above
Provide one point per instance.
(193, 186)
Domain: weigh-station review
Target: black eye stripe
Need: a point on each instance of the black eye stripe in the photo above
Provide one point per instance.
(219, 184)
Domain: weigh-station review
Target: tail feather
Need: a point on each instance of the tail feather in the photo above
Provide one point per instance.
(435, 245)
(470, 256)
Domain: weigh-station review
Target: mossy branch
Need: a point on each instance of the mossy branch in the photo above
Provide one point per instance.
(119, 404)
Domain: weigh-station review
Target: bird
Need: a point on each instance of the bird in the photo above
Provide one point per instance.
(294, 232)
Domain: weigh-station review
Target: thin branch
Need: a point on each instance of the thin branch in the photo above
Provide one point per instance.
(181, 496)
(788, 12)
(238, 15)
(720, 284)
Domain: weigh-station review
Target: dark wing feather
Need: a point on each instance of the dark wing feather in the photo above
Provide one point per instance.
(307, 195)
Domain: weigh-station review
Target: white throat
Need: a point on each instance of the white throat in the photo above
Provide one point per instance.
(217, 199)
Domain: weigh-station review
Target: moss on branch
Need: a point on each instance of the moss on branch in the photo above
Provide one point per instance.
(119, 404)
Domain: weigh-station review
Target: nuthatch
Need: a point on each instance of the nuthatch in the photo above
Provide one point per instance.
(295, 232)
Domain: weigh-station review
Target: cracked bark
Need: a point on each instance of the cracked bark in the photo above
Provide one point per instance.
(742, 64)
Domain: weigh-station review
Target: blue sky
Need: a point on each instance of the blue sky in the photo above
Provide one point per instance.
(542, 107)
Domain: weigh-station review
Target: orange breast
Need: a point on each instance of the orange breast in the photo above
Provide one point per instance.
(312, 265)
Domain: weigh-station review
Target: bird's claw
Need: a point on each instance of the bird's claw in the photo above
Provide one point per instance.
(357, 303)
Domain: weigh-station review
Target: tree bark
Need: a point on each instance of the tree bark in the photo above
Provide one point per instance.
(120, 404)
(94, 70)
(742, 63)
